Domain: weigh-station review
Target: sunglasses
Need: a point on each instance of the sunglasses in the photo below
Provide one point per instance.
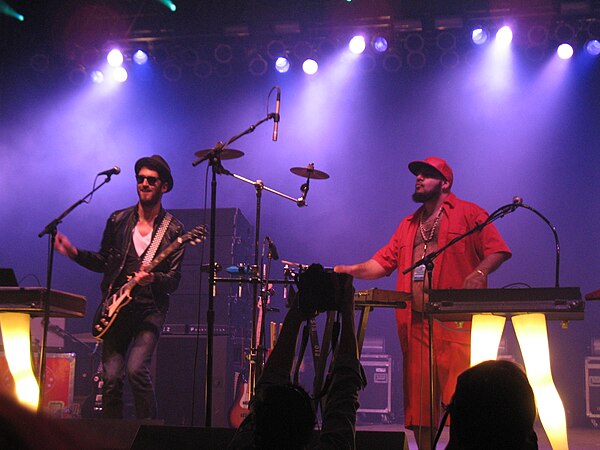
(151, 180)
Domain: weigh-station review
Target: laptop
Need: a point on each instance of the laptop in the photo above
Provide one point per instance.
(8, 278)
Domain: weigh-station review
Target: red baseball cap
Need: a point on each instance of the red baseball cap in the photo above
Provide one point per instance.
(439, 164)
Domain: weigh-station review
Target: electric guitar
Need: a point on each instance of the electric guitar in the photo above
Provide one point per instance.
(109, 309)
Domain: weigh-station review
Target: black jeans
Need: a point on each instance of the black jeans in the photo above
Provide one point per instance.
(127, 349)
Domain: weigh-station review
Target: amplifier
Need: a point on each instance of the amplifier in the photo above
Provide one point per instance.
(377, 396)
(592, 388)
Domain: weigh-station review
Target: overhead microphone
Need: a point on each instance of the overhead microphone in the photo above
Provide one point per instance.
(276, 116)
(110, 172)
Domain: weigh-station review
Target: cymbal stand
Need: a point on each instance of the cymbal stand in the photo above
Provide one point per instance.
(214, 160)
(255, 356)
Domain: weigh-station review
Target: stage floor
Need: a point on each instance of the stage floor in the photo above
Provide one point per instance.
(579, 438)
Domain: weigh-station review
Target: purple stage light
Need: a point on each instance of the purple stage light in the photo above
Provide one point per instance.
(357, 45)
(310, 66)
(564, 51)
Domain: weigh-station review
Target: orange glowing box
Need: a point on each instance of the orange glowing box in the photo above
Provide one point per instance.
(60, 377)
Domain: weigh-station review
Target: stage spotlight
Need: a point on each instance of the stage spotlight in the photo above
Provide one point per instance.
(479, 36)
(367, 63)
(449, 59)
(257, 66)
(202, 69)
(593, 47)
(275, 49)
(310, 66)
(537, 35)
(169, 4)
(77, 75)
(564, 32)
(39, 62)
(380, 44)
(140, 57)
(357, 45)
(172, 72)
(282, 64)
(416, 60)
(188, 56)
(97, 76)
(564, 51)
(115, 57)
(445, 40)
(223, 53)
(7, 10)
(504, 36)
(392, 62)
(303, 50)
(326, 47)
(414, 42)
(120, 74)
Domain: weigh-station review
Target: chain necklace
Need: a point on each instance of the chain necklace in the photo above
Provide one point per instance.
(427, 239)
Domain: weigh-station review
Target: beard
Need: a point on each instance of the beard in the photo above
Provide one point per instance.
(423, 197)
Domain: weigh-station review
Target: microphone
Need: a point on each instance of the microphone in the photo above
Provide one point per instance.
(517, 201)
(272, 249)
(276, 116)
(110, 172)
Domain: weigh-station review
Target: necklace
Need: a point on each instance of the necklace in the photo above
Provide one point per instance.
(431, 232)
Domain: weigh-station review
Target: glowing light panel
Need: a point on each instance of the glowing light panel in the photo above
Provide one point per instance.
(140, 57)
(564, 51)
(17, 347)
(380, 44)
(120, 74)
(593, 47)
(97, 76)
(479, 36)
(282, 65)
(357, 45)
(504, 36)
(115, 57)
(310, 66)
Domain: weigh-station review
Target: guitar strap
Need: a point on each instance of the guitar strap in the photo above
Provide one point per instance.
(160, 233)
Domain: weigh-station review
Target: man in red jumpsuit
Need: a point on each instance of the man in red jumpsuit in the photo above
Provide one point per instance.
(465, 265)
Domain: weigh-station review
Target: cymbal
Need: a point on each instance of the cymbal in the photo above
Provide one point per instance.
(226, 153)
(309, 172)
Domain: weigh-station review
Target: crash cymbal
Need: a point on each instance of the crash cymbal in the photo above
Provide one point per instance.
(226, 153)
(309, 172)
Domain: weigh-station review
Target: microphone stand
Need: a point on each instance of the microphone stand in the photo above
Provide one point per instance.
(214, 160)
(427, 261)
(51, 229)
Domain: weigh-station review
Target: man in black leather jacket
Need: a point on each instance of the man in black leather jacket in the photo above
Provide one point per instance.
(137, 326)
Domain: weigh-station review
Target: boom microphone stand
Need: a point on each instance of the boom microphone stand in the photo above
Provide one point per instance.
(427, 261)
(51, 229)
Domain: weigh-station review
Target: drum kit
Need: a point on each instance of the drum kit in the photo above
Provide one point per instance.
(241, 274)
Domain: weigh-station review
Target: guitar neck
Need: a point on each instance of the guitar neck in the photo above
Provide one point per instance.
(164, 254)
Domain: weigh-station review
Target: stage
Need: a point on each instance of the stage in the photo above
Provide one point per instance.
(152, 435)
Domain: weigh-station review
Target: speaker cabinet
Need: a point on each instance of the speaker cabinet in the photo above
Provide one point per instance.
(181, 380)
(377, 396)
(592, 388)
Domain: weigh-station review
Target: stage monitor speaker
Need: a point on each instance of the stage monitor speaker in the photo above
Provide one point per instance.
(180, 371)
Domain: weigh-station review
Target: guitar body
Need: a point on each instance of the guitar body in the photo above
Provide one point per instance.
(107, 312)
(239, 410)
